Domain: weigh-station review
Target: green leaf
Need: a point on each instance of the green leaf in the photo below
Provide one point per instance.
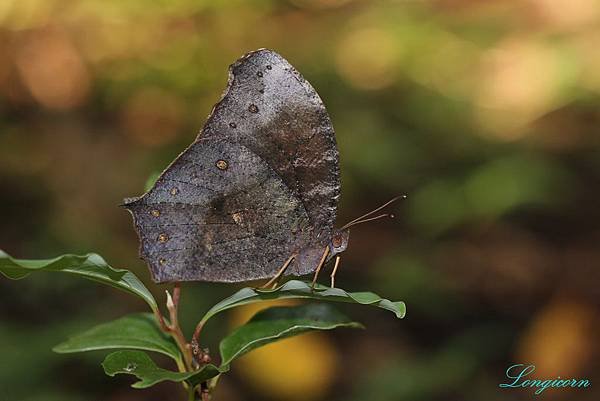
(276, 323)
(90, 266)
(301, 289)
(139, 364)
(138, 331)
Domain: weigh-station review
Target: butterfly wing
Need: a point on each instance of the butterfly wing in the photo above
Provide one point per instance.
(273, 111)
(218, 213)
(276, 197)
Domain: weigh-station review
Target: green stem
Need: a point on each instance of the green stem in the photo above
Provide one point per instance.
(174, 330)
(191, 394)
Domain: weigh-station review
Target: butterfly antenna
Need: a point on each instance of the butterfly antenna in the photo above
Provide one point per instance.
(369, 219)
(364, 218)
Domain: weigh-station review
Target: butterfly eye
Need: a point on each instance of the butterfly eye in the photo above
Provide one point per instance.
(337, 241)
(253, 108)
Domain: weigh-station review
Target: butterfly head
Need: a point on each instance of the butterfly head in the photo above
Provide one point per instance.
(339, 241)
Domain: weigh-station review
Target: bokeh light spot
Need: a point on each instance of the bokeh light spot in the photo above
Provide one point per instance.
(559, 339)
(519, 81)
(368, 58)
(297, 368)
(566, 15)
(53, 70)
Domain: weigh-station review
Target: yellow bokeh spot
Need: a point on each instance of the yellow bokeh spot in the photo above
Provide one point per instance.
(569, 15)
(559, 339)
(52, 69)
(26, 14)
(520, 80)
(517, 75)
(297, 368)
(368, 58)
(586, 47)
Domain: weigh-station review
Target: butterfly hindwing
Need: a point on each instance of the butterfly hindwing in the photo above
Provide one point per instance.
(218, 213)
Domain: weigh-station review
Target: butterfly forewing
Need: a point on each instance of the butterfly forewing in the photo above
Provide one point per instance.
(270, 108)
(234, 226)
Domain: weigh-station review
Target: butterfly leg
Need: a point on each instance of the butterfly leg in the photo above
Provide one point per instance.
(320, 265)
(280, 272)
(335, 267)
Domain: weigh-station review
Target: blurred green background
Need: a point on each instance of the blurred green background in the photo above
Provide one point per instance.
(486, 113)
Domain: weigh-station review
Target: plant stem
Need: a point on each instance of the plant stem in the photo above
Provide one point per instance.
(175, 329)
(203, 392)
(161, 321)
(197, 331)
(191, 394)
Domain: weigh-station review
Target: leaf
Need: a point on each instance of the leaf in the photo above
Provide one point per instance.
(138, 331)
(276, 323)
(90, 266)
(301, 289)
(139, 364)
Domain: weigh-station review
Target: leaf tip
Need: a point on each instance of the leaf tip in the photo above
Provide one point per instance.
(59, 349)
(400, 309)
(107, 369)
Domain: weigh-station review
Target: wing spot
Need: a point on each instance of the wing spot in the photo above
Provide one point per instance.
(237, 217)
(259, 74)
(253, 108)
(162, 238)
(233, 125)
(174, 191)
(155, 212)
(269, 67)
(222, 164)
(162, 261)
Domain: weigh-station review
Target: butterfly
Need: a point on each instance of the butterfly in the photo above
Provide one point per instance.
(255, 195)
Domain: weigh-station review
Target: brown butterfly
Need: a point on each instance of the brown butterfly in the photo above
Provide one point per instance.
(255, 195)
